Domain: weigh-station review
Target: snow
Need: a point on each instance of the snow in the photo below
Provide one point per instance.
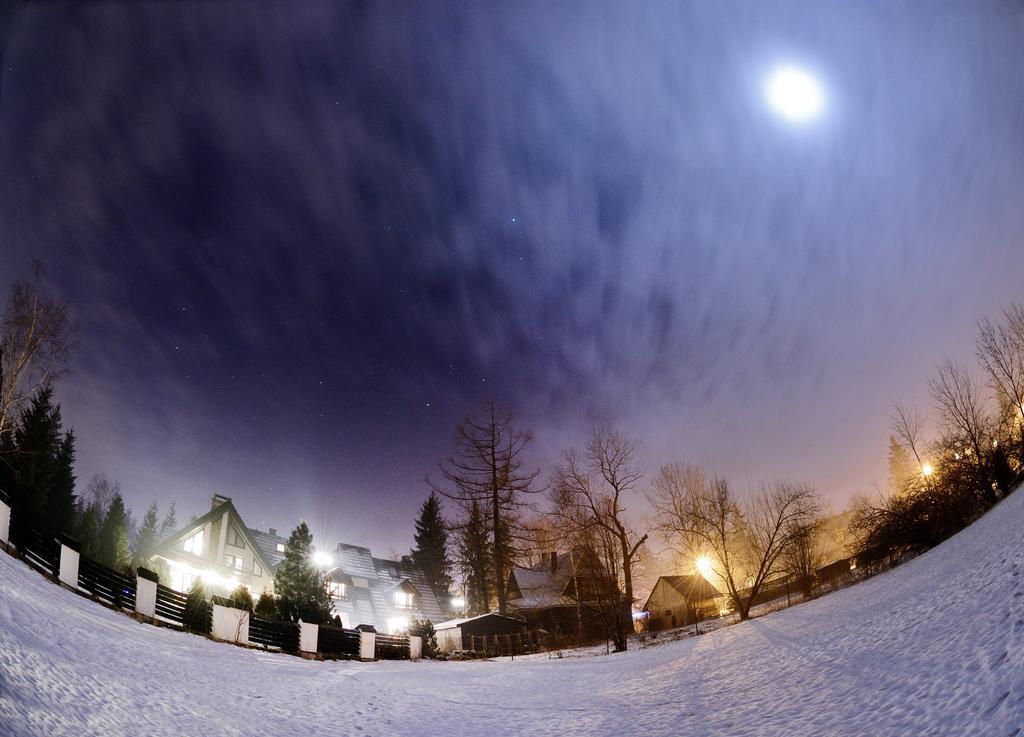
(935, 647)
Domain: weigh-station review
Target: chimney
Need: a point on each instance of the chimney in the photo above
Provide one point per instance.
(273, 531)
(218, 500)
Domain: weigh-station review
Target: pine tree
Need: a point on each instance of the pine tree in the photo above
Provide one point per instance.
(33, 464)
(114, 550)
(266, 606)
(61, 500)
(147, 536)
(170, 523)
(299, 586)
(88, 530)
(431, 552)
(197, 609)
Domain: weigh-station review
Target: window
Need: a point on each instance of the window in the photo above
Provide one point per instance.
(336, 590)
(403, 600)
(234, 538)
(257, 569)
(280, 547)
(194, 544)
(361, 583)
(233, 561)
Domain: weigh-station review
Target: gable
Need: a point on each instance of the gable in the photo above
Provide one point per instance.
(175, 542)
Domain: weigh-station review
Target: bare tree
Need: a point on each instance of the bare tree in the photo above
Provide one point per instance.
(591, 490)
(1000, 350)
(804, 555)
(487, 468)
(908, 426)
(745, 544)
(35, 339)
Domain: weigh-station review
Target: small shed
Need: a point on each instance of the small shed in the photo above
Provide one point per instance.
(457, 634)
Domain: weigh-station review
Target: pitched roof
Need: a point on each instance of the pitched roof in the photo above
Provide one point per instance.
(691, 588)
(382, 577)
(267, 544)
(169, 543)
(540, 587)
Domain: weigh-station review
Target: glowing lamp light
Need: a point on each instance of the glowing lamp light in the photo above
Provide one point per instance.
(321, 558)
(703, 565)
(458, 602)
(927, 469)
(794, 94)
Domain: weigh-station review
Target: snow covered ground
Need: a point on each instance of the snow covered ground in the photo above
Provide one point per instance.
(935, 647)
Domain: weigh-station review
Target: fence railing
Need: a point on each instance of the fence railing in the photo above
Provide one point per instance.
(39, 550)
(338, 641)
(170, 605)
(273, 633)
(391, 647)
(111, 587)
(149, 600)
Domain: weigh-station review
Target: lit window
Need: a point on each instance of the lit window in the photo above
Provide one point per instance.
(194, 544)
(257, 569)
(397, 625)
(336, 590)
(280, 547)
(234, 561)
(235, 539)
(403, 600)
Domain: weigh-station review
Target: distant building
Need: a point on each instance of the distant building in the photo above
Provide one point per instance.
(676, 601)
(564, 593)
(386, 594)
(220, 549)
(459, 634)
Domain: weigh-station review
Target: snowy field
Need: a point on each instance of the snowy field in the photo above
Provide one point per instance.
(935, 647)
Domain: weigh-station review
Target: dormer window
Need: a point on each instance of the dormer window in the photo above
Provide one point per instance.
(337, 590)
(280, 547)
(403, 600)
(194, 543)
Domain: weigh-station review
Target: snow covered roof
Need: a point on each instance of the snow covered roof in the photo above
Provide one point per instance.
(546, 584)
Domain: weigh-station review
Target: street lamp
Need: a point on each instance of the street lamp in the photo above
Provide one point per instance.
(703, 566)
(927, 470)
(322, 559)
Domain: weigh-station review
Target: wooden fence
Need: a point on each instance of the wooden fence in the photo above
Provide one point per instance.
(63, 562)
(110, 587)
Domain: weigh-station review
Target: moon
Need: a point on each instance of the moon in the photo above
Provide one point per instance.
(795, 94)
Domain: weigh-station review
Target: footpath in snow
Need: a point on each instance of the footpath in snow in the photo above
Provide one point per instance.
(935, 647)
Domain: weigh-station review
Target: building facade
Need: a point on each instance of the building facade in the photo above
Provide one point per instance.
(676, 601)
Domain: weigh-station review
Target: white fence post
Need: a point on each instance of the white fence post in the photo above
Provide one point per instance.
(308, 635)
(145, 594)
(367, 646)
(415, 647)
(69, 558)
(230, 624)
(5, 521)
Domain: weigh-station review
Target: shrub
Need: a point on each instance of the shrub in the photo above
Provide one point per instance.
(197, 609)
(424, 628)
(266, 606)
(241, 598)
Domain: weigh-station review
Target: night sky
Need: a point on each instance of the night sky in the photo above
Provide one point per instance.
(301, 240)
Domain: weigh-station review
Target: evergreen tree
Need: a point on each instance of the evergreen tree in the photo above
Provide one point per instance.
(147, 536)
(300, 589)
(197, 609)
(33, 462)
(241, 598)
(431, 552)
(474, 549)
(170, 522)
(266, 606)
(114, 550)
(88, 531)
(61, 500)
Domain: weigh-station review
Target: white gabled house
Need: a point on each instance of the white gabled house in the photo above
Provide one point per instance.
(220, 549)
